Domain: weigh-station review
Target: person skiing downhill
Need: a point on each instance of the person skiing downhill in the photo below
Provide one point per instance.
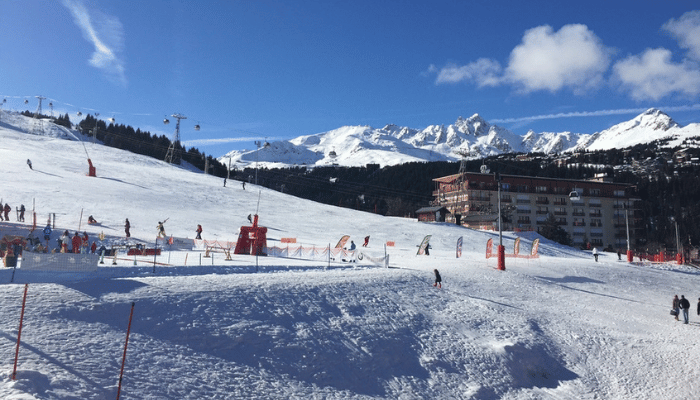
(438, 279)
(29, 162)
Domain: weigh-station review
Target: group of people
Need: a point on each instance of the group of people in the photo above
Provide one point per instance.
(683, 305)
(5, 212)
(76, 244)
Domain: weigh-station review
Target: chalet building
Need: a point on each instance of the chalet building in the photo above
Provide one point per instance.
(592, 212)
(432, 214)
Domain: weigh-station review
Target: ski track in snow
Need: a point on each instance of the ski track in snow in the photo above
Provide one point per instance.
(557, 327)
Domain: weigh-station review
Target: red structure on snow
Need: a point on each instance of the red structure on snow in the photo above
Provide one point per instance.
(252, 239)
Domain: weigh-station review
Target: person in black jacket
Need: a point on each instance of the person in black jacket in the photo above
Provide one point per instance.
(685, 305)
(438, 279)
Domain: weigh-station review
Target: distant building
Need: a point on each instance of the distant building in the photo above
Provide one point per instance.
(592, 212)
(432, 214)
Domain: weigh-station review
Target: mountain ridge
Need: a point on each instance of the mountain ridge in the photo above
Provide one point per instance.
(471, 137)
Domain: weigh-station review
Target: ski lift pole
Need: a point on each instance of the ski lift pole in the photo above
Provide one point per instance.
(19, 331)
(126, 343)
(155, 251)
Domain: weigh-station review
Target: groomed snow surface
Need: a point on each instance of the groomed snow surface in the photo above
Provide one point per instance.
(558, 327)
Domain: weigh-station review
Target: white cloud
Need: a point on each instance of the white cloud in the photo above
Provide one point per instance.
(597, 113)
(687, 31)
(483, 72)
(571, 58)
(652, 75)
(106, 34)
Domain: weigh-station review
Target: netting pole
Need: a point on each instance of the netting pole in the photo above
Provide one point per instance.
(126, 343)
(19, 331)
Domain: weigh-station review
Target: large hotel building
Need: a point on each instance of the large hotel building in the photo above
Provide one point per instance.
(593, 212)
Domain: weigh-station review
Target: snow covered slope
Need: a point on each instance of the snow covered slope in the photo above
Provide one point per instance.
(557, 327)
(473, 136)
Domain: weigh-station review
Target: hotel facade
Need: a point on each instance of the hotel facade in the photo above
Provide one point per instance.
(602, 214)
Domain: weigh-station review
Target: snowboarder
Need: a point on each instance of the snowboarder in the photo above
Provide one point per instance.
(685, 305)
(199, 232)
(77, 241)
(366, 241)
(352, 246)
(250, 218)
(29, 162)
(127, 225)
(595, 254)
(438, 279)
(91, 220)
(675, 306)
(21, 213)
(161, 229)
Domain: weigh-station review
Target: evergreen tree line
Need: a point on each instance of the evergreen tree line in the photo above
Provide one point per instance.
(142, 142)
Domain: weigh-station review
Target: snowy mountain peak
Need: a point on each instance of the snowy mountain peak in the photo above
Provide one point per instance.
(393, 144)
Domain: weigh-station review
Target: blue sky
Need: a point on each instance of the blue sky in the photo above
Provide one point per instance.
(248, 70)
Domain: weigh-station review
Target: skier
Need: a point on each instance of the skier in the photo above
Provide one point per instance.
(161, 229)
(63, 242)
(7, 210)
(77, 241)
(438, 279)
(29, 162)
(21, 213)
(47, 234)
(199, 232)
(685, 305)
(224, 182)
(366, 241)
(595, 254)
(127, 225)
(243, 185)
(85, 240)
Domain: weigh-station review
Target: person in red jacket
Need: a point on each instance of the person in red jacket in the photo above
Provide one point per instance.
(77, 241)
(199, 232)
(93, 248)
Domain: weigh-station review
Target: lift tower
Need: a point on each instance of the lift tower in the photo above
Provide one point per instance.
(176, 139)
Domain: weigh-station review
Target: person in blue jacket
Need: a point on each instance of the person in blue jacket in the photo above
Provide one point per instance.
(47, 234)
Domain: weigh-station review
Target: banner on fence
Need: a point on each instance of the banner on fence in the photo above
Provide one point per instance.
(59, 262)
